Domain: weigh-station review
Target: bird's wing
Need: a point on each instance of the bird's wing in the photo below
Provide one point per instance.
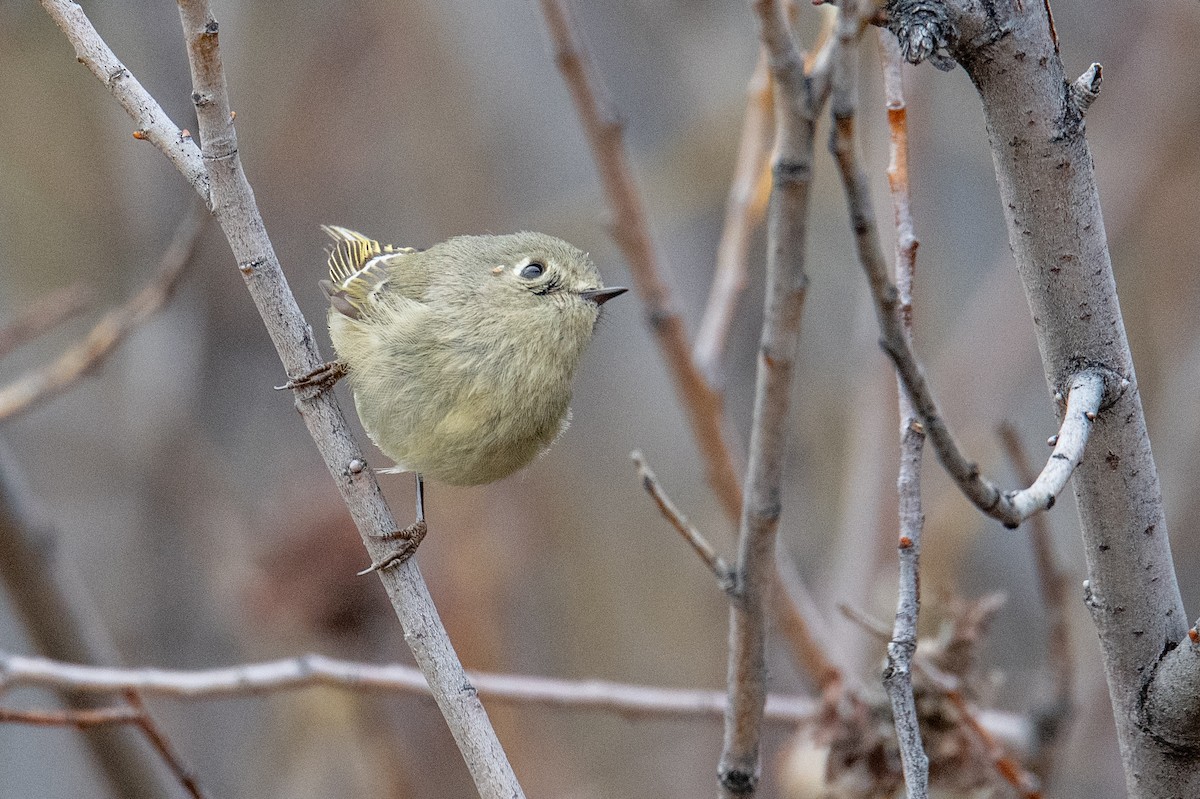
(362, 269)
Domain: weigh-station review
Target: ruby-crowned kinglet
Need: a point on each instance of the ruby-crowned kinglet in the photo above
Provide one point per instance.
(461, 356)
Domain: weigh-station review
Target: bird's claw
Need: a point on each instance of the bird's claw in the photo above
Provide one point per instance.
(323, 377)
(410, 537)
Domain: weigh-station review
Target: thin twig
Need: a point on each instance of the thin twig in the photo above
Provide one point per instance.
(721, 570)
(631, 230)
(797, 616)
(787, 219)
(1025, 783)
(310, 671)
(897, 675)
(133, 715)
(1005, 764)
(744, 209)
(113, 328)
(162, 744)
(43, 315)
(80, 719)
(1013, 507)
(1054, 717)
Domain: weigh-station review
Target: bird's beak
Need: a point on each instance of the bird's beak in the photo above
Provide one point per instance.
(601, 296)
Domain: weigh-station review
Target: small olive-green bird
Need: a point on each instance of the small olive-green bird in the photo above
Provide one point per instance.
(461, 356)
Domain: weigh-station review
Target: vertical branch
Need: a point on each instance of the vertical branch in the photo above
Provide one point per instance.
(740, 766)
(701, 402)
(898, 673)
(1051, 204)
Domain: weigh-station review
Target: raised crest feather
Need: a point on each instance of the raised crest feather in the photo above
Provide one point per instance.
(357, 272)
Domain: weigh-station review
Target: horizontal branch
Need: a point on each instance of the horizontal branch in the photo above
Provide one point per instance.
(309, 671)
(80, 719)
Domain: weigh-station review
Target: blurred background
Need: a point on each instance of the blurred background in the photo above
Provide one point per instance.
(197, 513)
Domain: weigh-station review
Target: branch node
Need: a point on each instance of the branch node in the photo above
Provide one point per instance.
(1086, 88)
(739, 781)
(924, 30)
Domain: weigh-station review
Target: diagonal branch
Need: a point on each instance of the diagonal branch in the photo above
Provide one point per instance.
(152, 121)
(1087, 389)
(726, 577)
(237, 212)
(232, 202)
(701, 402)
(115, 326)
(44, 315)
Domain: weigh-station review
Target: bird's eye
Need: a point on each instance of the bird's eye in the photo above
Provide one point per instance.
(532, 270)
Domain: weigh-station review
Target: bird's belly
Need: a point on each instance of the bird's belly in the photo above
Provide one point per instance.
(472, 436)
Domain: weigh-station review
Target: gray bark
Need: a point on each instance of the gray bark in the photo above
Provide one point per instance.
(1035, 123)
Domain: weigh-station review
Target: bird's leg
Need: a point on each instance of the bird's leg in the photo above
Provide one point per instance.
(323, 377)
(410, 536)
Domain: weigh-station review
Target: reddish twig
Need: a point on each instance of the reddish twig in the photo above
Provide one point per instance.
(902, 646)
(158, 739)
(701, 402)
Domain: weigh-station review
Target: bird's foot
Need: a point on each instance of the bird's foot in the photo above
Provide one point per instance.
(323, 377)
(410, 538)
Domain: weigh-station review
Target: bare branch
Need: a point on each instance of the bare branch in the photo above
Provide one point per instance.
(232, 202)
(162, 744)
(116, 325)
(152, 123)
(740, 765)
(1006, 765)
(701, 402)
(61, 620)
(631, 229)
(80, 719)
(744, 209)
(796, 616)
(44, 315)
(897, 675)
(725, 575)
(310, 671)
(1056, 231)
(134, 715)
(1096, 385)
(236, 210)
